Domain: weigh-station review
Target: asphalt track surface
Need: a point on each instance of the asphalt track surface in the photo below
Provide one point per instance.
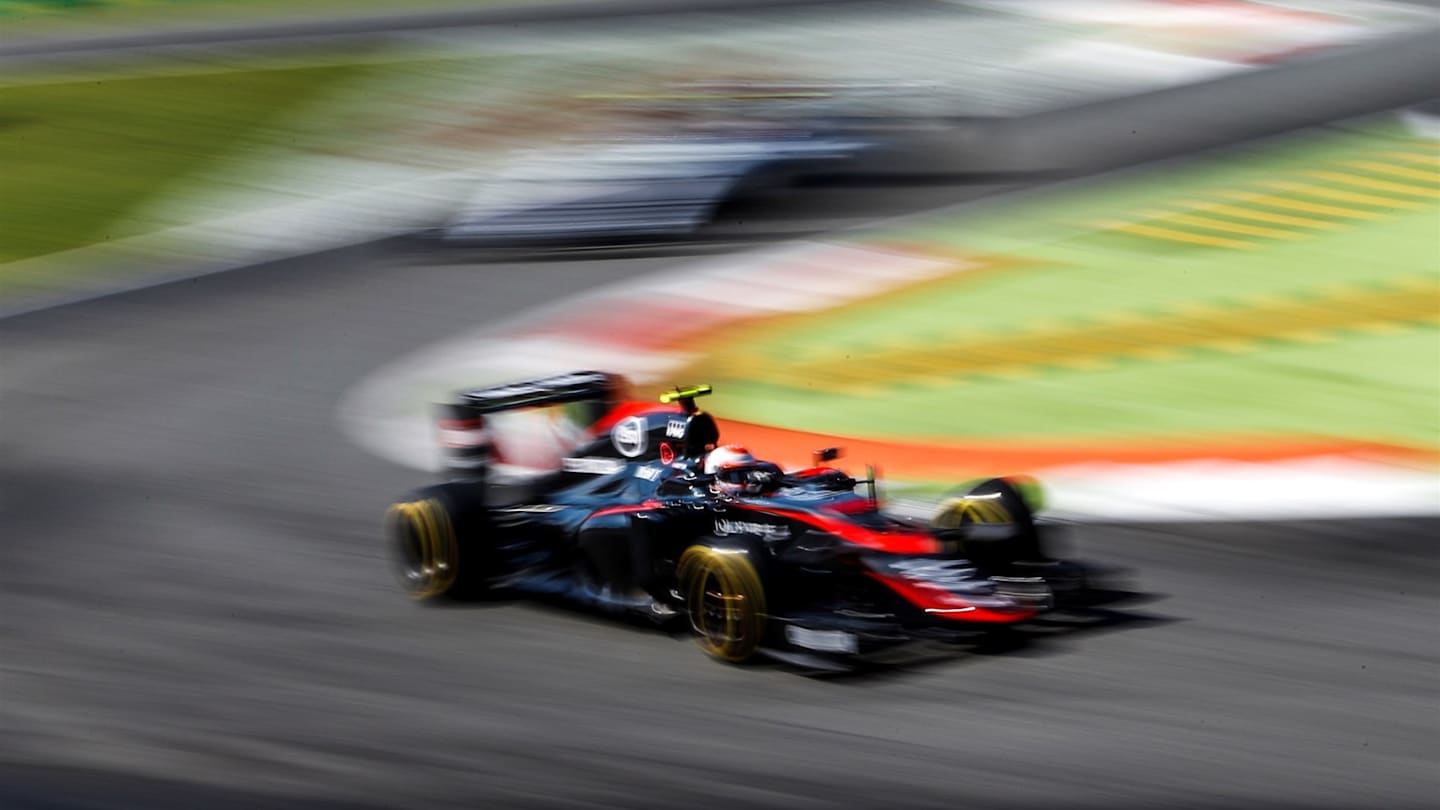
(196, 612)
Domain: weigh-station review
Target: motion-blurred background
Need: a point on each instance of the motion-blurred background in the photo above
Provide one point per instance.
(1179, 259)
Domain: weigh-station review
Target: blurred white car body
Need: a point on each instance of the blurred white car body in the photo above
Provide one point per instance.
(643, 187)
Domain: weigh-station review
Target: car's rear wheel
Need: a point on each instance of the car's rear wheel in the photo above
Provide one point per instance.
(724, 601)
(423, 546)
(428, 542)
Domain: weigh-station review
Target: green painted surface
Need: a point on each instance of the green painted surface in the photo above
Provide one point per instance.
(1351, 369)
(1364, 387)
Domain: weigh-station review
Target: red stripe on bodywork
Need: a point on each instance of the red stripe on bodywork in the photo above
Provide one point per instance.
(622, 510)
(901, 542)
(943, 604)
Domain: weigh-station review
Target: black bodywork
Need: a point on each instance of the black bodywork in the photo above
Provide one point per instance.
(628, 521)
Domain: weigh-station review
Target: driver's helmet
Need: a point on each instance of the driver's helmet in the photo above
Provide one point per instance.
(739, 473)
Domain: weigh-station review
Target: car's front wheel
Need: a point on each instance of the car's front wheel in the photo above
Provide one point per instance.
(994, 502)
(724, 601)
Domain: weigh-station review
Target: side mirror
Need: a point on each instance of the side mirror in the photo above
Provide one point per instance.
(827, 454)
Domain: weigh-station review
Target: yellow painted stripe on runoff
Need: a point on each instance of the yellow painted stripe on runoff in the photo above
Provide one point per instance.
(1083, 363)
(1380, 185)
(1177, 236)
(1241, 212)
(1424, 158)
(1381, 328)
(1228, 227)
(1155, 353)
(1232, 346)
(1276, 201)
(1398, 171)
(1421, 283)
(1091, 345)
(1338, 194)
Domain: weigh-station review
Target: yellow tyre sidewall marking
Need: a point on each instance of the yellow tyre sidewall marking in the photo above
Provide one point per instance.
(435, 534)
(742, 594)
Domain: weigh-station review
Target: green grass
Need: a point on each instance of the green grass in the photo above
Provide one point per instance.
(78, 157)
(48, 18)
(1380, 384)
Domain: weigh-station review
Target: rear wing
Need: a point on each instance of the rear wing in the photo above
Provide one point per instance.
(576, 386)
(465, 424)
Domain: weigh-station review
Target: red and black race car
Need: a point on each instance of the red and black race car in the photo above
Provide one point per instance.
(561, 486)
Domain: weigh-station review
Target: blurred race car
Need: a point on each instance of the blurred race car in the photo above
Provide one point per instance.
(660, 187)
(562, 486)
(668, 161)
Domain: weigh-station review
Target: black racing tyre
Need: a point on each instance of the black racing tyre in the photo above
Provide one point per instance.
(433, 544)
(991, 502)
(724, 601)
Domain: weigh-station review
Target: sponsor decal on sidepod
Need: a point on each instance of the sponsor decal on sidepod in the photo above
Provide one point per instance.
(766, 530)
